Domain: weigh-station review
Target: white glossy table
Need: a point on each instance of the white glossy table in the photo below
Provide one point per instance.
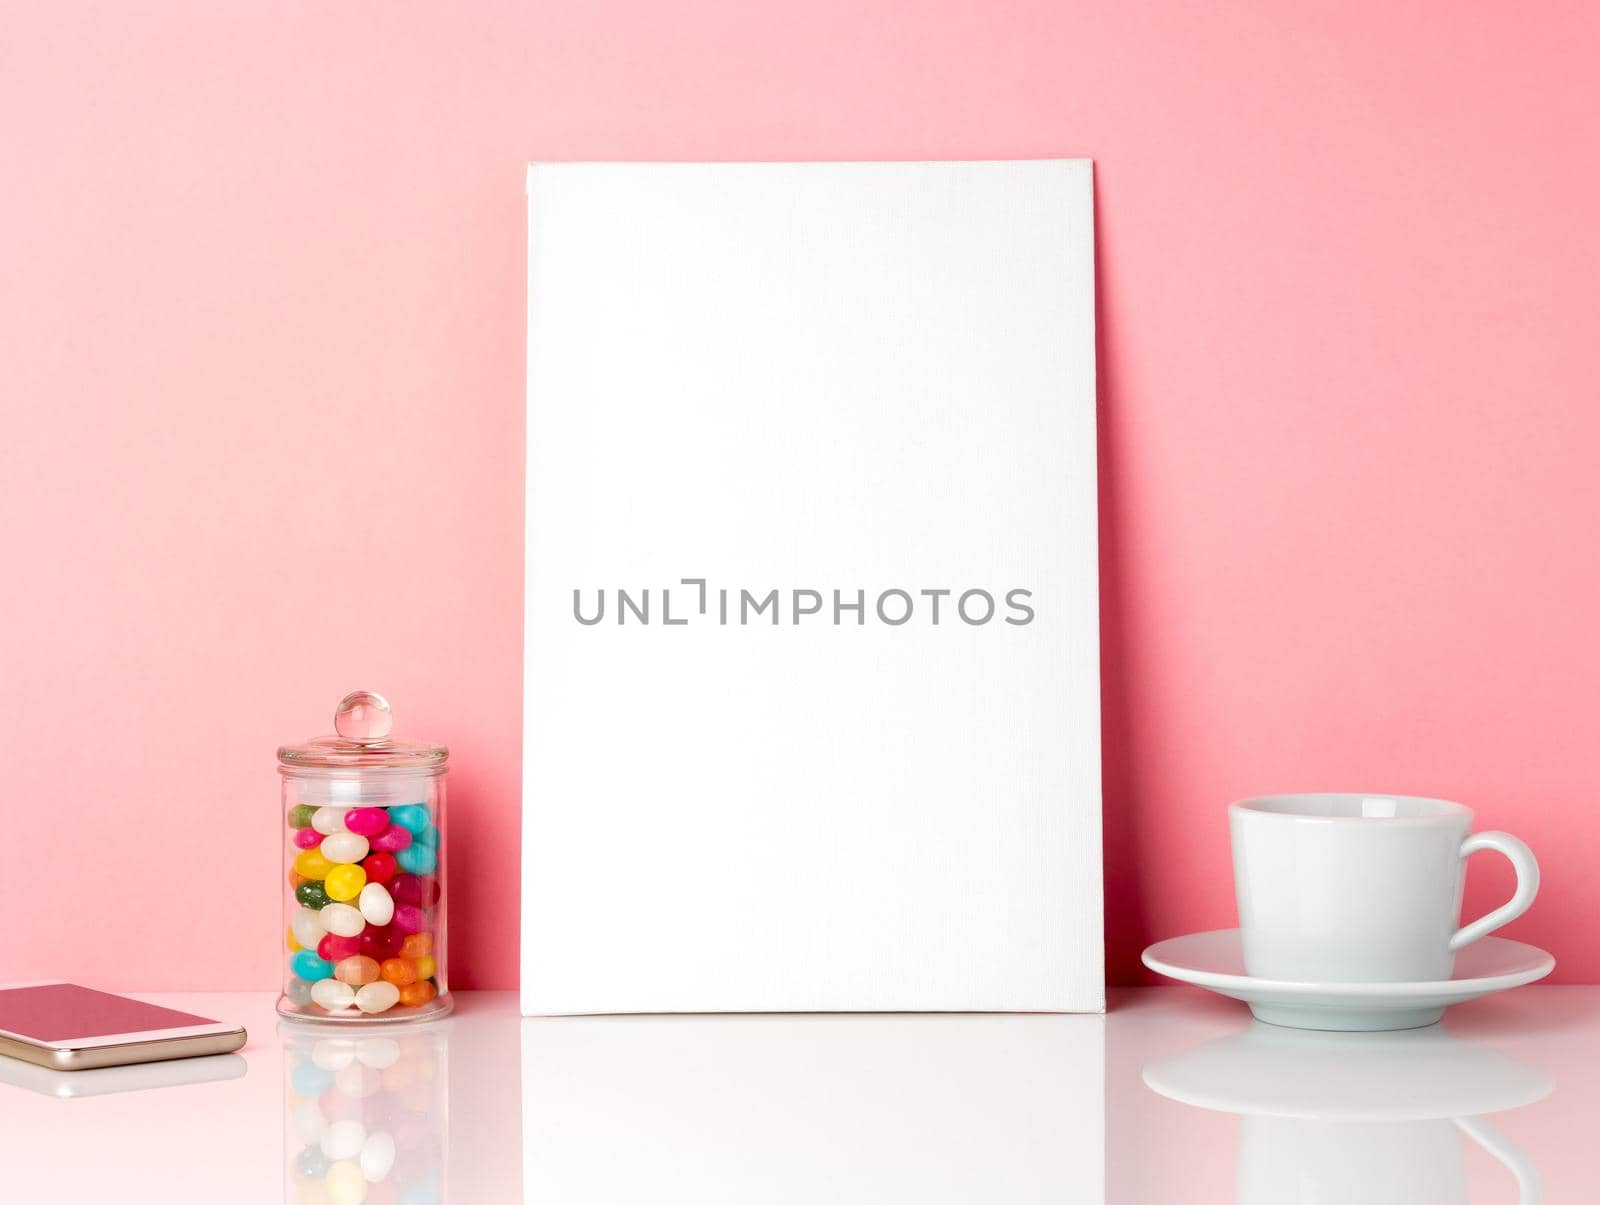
(1173, 1096)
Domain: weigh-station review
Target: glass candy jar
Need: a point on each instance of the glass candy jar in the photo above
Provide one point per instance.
(364, 855)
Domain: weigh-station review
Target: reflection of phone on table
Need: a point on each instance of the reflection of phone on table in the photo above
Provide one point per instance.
(72, 1028)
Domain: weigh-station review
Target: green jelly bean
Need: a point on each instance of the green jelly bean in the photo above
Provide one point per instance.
(313, 894)
(300, 815)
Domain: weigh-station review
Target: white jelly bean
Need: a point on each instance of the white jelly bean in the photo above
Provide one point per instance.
(342, 920)
(379, 1053)
(307, 927)
(343, 1139)
(332, 995)
(328, 820)
(376, 904)
(309, 1123)
(332, 1054)
(377, 997)
(377, 1156)
(358, 1081)
(344, 847)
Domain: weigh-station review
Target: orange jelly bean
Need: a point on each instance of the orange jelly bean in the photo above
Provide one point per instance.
(356, 970)
(399, 971)
(417, 945)
(417, 993)
(296, 878)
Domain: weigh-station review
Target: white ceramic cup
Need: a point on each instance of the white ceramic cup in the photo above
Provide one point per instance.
(1361, 888)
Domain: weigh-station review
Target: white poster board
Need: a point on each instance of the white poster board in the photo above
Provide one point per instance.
(812, 677)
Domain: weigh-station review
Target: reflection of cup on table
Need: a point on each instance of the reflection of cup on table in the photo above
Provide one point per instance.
(1368, 1117)
(365, 1114)
(1361, 889)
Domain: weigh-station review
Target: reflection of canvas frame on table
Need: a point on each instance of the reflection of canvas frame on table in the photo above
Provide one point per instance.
(774, 412)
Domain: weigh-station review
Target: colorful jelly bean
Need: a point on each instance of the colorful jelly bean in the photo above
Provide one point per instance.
(312, 864)
(335, 948)
(308, 966)
(380, 867)
(311, 1163)
(399, 971)
(377, 997)
(357, 970)
(408, 918)
(296, 878)
(418, 859)
(369, 822)
(345, 881)
(425, 966)
(344, 1184)
(299, 991)
(342, 920)
(300, 815)
(416, 945)
(415, 889)
(413, 816)
(310, 1080)
(376, 904)
(392, 839)
(307, 838)
(328, 820)
(312, 894)
(428, 836)
(292, 943)
(344, 847)
(381, 941)
(417, 993)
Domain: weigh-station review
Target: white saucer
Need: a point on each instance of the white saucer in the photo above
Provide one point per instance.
(1215, 961)
(1414, 1075)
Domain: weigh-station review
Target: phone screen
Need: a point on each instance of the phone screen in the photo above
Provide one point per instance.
(53, 1012)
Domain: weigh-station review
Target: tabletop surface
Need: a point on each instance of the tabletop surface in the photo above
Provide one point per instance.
(1172, 1096)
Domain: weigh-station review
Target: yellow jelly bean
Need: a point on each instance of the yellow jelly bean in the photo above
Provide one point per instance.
(425, 967)
(312, 864)
(293, 944)
(345, 881)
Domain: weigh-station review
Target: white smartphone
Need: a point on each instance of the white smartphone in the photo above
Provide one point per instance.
(72, 1028)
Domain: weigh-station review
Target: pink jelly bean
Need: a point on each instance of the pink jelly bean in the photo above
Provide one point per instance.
(307, 838)
(422, 890)
(368, 822)
(408, 918)
(392, 839)
(333, 947)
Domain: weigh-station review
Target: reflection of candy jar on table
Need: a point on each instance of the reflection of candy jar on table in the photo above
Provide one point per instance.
(365, 1115)
(364, 854)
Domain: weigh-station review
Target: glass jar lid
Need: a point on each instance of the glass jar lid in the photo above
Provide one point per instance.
(361, 724)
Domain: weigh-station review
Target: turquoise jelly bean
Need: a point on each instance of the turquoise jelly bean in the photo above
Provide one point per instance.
(307, 965)
(310, 1080)
(429, 837)
(417, 859)
(413, 817)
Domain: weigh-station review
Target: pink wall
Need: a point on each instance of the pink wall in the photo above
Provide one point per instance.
(261, 339)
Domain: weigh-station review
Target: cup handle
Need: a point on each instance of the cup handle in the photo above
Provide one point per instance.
(1515, 1160)
(1527, 868)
